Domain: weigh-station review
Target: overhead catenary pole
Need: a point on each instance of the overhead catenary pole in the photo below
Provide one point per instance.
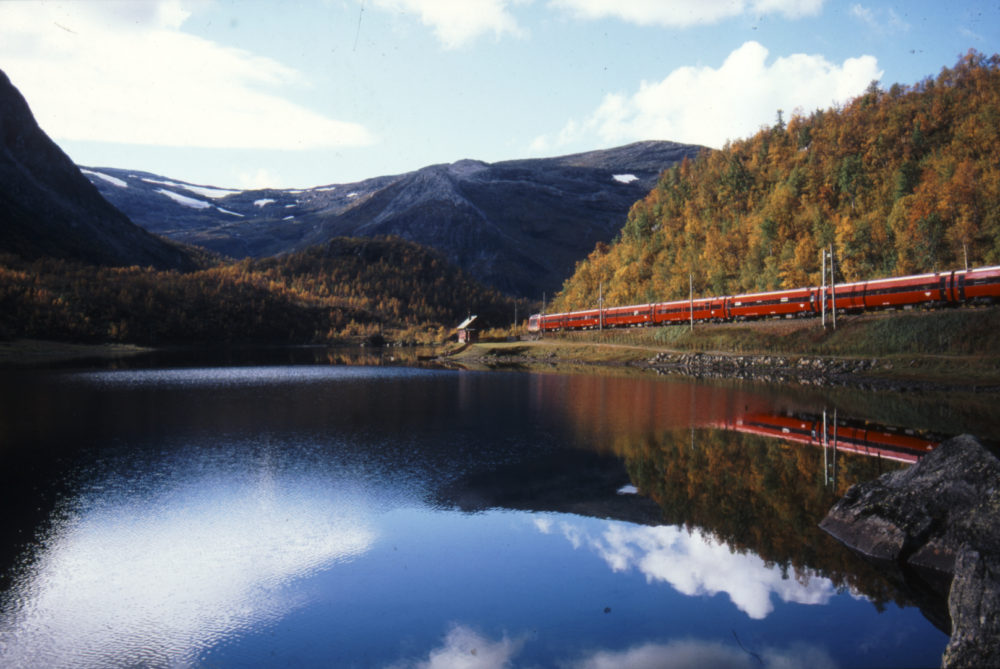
(691, 297)
(833, 288)
(541, 330)
(835, 448)
(600, 306)
(822, 290)
(826, 463)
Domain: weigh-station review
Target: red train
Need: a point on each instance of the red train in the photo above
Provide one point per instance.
(940, 289)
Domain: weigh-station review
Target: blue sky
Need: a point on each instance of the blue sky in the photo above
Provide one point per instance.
(299, 94)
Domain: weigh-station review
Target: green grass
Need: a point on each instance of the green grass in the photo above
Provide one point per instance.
(958, 347)
(965, 332)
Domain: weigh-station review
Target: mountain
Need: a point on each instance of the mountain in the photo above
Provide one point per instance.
(49, 209)
(519, 226)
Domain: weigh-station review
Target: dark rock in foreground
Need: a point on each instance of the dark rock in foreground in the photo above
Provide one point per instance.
(938, 521)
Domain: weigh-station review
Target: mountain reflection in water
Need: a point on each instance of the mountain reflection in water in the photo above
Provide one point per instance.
(339, 516)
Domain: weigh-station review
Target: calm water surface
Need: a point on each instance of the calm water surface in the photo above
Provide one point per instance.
(331, 515)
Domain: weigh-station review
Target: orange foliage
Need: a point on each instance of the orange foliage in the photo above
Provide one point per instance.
(900, 181)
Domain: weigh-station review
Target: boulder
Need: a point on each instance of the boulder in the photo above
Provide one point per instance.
(938, 521)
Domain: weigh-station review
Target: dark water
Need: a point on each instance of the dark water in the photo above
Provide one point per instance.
(331, 515)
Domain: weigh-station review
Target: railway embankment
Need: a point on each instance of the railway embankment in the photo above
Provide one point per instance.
(954, 349)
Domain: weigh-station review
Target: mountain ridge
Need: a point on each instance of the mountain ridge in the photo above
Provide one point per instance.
(517, 225)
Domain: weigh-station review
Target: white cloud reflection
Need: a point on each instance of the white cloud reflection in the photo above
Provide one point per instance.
(464, 648)
(695, 564)
(161, 577)
(706, 655)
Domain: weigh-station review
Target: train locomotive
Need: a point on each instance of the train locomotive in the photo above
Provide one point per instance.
(954, 288)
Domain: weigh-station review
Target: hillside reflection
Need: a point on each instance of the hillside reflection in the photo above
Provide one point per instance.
(752, 470)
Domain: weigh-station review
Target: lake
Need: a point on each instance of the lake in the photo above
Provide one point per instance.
(375, 515)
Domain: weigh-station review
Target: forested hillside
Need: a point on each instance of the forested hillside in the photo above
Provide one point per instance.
(900, 181)
(346, 288)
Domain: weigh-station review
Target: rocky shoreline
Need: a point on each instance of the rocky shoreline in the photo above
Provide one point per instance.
(934, 531)
(818, 371)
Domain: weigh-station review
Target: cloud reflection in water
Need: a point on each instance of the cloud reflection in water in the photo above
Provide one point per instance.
(705, 655)
(694, 564)
(465, 648)
(154, 574)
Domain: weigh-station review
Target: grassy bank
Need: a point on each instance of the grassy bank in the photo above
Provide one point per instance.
(957, 332)
(29, 352)
(947, 346)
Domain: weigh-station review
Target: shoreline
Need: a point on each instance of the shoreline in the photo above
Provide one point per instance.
(20, 353)
(894, 373)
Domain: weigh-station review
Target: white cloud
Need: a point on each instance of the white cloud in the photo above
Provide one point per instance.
(880, 20)
(685, 13)
(259, 178)
(864, 14)
(124, 72)
(704, 105)
(456, 23)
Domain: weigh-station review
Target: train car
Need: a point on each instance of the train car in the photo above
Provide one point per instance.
(905, 291)
(976, 285)
(792, 302)
(682, 311)
(945, 288)
(632, 316)
(571, 320)
(849, 297)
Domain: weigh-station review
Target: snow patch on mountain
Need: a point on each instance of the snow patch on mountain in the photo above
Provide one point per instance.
(183, 199)
(625, 178)
(114, 181)
(263, 202)
(205, 191)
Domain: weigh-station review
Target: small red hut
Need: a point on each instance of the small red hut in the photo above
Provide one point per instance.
(466, 333)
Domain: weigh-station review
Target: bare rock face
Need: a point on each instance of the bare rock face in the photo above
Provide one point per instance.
(938, 520)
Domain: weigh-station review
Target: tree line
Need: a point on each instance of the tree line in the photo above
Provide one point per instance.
(898, 181)
(345, 288)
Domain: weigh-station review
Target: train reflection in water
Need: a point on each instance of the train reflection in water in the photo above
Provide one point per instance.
(824, 431)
